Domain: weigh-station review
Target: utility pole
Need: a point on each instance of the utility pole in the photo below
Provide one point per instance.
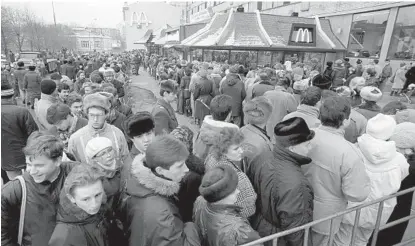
(54, 17)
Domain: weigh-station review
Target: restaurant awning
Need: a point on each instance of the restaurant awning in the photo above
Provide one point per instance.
(265, 31)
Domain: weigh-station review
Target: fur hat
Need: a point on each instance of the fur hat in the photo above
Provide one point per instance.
(47, 86)
(185, 135)
(138, 124)
(168, 85)
(344, 91)
(95, 77)
(301, 85)
(110, 97)
(371, 93)
(218, 183)
(407, 115)
(234, 69)
(293, 132)
(321, 81)
(404, 135)
(338, 63)
(164, 151)
(257, 110)
(96, 100)
(57, 112)
(95, 145)
(381, 126)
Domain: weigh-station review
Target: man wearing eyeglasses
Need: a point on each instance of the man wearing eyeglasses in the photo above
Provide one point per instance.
(97, 108)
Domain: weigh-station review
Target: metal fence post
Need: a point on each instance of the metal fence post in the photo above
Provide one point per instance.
(275, 242)
(376, 232)
(356, 223)
(331, 238)
(306, 235)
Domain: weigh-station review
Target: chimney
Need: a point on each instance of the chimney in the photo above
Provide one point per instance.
(294, 14)
(240, 9)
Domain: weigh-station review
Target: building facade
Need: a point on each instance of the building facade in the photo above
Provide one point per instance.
(89, 40)
(141, 17)
(369, 30)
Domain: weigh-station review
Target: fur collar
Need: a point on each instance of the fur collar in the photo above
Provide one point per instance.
(150, 181)
(210, 122)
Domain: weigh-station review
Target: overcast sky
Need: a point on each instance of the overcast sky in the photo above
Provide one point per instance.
(84, 13)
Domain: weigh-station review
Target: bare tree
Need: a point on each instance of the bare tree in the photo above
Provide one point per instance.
(35, 31)
(5, 29)
(16, 22)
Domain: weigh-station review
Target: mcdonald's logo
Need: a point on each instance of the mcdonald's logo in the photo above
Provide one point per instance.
(303, 33)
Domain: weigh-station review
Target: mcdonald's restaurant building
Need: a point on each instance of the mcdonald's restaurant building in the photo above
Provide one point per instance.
(254, 38)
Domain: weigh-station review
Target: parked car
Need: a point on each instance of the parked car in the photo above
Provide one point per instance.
(37, 57)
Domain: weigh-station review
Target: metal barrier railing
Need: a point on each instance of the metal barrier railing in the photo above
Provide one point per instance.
(274, 238)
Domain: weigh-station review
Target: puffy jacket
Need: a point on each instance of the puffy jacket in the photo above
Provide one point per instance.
(339, 75)
(337, 175)
(386, 169)
(41, 208)
(234, 87)
(76, 227)
(222, 224)
(285, 196)
(310, 115)
(164, 117)
(16, 126)
(261, 87)
(150, 214)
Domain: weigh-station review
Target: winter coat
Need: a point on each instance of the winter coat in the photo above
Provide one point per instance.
(117, 120)
(359, 70)
(372, 81)
(150, 214)
(386, 72)
(76, 227)
(337, 175)
(310, 114)
(119, 86)
(123, 108)
(71, 72)
(216, 78)
(164, 117)
(184, 84)
(63, 69)
(247, 197)
(78, 85)
(256, 141)
(339, 75)
(329, 72)
(261, 87)
(386, 169)
(356, 127)
(16, 126)
(399, 79)
(126, 170)
(283, 103)
(19, 74)
(41, 208)
(368, 110)
(249, 86)
(32, 82)
(222, 224)
(78, 141)
(189, 187)
(203, 89)
(41, 109)
(285, 196)
(234, 87)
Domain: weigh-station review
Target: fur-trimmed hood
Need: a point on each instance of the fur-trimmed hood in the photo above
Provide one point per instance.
(211, 129)
(147, 182)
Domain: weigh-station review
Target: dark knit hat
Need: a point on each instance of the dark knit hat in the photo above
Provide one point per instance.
(218, 183)
(55, 76)
(257, 110)
(57, 112)
(138, 124)
(293, 131)
(321, 81)
(47, 86)
(168, 85)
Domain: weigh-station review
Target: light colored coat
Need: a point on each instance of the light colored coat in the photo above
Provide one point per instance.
(337, 175)
(41, 109)
(78, 141)
(308, 113)
(255, 141)
(283, 103)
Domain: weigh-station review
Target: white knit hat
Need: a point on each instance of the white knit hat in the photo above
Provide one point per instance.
(404, 135)
(95, 145)
(381, 126)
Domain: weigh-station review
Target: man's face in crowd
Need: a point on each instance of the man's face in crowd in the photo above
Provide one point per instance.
(105, 157)
(64, 125)
(88, 197)
(42, 168)
(170, 96)
(109, 78)
(96, 118)
(76, 108)
(141, 142)
(88, 90)
(235, 152)
(176, 172)
(63, 94)
(82, 76)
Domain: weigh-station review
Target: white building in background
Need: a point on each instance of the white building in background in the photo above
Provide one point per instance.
(96, 39)
(140, 17)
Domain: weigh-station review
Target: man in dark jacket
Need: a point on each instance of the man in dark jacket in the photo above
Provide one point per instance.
(163, 113)
(16, 126)
(118, 105)
(19, 74)
(285, 197)
(32, 85)
(263, 85)
(44, 180)
(151, 216)
(109, 76)
(234, 87)
(71, 70)
(63, 67)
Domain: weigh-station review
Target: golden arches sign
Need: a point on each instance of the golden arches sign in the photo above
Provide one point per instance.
(303, 33)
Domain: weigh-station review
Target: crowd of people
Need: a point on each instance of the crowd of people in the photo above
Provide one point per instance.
(278, 147)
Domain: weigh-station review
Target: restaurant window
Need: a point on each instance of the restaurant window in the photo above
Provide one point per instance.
(197, 54)
(277, 57)
(286, 2)
(402, 44)
(308, 56)
(367, 33)
(97, 44)
(208, 55)
(220, 55)
(303, 35)
(243, 57)
(264, 58)
(85, 44)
